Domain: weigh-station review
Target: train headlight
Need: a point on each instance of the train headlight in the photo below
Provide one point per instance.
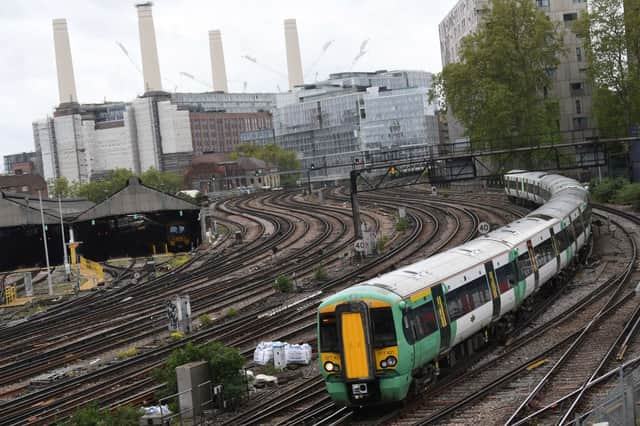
(391, 361)
(331, 367)
(383, 363)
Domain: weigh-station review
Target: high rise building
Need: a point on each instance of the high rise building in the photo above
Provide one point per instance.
(569, 78)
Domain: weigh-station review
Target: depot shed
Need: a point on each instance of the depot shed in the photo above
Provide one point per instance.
(137, 221)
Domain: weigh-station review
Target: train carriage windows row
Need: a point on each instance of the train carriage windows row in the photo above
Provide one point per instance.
(507, 277)
(544, 252)
(420, 322)
(564, 239)
(465, 299)
(524, 265)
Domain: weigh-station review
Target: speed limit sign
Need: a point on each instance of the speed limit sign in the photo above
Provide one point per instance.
(484, 227)
(359, 245)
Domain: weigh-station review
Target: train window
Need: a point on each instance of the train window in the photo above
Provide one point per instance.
(423, 320)
(468, 297)
(578, 226)
(507, 276)
(384, 331)
(544, 252)
(563, 240)
(524, 266)
(328, 333)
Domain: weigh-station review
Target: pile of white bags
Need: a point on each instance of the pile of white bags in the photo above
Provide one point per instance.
(294, 354)
(298, 354)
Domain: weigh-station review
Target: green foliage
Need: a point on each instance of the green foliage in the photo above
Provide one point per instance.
(128, 353)
(496, 91)
(113, 182)
(91, 415)
(205, 320)
(607, 189)
(231, 313)
(402, 224)
(283, 284)
(320, 273)
(382, 243)
(628, 194)
(273, 154)
(176, 335)
(611, 35)
(59, 187)
(225, 365)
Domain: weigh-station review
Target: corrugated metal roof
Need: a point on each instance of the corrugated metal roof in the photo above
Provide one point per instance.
(136, 198)
(70, 207)
(27, 212)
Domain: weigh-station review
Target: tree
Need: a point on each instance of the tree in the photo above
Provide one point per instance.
(163, 181)
(271, 153)
(611, 41)
(60, 187)
(498, 89)
(225, 364)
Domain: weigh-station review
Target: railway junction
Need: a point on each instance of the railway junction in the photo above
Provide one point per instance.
(556, 364)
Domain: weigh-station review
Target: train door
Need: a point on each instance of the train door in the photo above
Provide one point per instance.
(554, 242)
(493, 285)
(442, 317)
(355, 341)
(534, 264)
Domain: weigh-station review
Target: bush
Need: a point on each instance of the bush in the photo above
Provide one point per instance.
(628, 194)
(231, 312)
(283, 284)
(225, 365)
(91, 415)
(128, 353)
(606, 190)
(205, 320)
(176, 335)
(381, 243)
(320, 273)
(402, 224)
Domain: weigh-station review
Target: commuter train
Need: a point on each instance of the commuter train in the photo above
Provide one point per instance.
(380, 339)
(179, 235)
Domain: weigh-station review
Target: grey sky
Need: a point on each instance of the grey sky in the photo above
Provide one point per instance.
(402, 34)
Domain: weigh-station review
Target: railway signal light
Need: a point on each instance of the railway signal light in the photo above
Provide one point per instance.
(393, 172)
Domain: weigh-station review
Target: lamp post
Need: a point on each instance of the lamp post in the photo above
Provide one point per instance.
(312, 167)
(46, 249)
(67, 270)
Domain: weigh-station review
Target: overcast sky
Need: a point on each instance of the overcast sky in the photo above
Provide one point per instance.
(402, 34)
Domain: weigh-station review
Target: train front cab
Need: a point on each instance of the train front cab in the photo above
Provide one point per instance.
(364, 357)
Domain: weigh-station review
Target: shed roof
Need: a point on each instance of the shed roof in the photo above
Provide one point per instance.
(70, 207)
(136, 198)
(15, 213)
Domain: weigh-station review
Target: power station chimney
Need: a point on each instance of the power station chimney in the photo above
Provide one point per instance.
(294, 62)
(218, 70)
(148, 49)
(64, 64)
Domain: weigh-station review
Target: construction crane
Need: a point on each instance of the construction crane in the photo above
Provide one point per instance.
(315, 62)
(137, 67)
(361, 53)
(192, 77)
(260, 64)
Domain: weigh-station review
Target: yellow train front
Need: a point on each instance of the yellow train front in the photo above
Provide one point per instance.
(178, 236)
(364, 356)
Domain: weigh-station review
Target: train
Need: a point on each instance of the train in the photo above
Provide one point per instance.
(384, 339)
(179, 235)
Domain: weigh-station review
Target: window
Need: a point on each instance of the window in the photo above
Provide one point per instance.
(544, 252)
(577, 89)
(579, 123)
(328, 333)
(564, 239)
(423, 320)
(568, 17)
(542, 3)
(578, 226)
(578, 106)
(384, 332)
(579, 54)
(507, 277)
(467, 298)
(524, 265)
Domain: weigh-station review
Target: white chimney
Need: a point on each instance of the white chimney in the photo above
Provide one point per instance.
(148, 49)
(218, 69)
(64, 64)
(294, 62)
